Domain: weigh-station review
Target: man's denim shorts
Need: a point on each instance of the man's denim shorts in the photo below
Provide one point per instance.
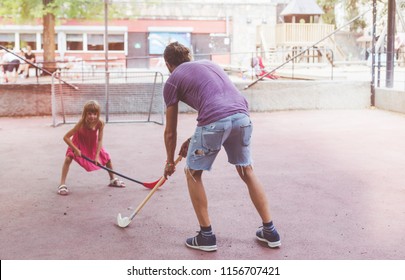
(233, 133)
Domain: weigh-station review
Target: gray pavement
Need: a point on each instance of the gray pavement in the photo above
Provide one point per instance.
(334, 180)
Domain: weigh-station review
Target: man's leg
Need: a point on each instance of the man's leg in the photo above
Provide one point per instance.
(268, 232)
(256, 191)
(198, 196)
(206, 239)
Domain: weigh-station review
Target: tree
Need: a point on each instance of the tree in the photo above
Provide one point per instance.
(351, 8)
(352, 11)
(50, 12)
(328, 6)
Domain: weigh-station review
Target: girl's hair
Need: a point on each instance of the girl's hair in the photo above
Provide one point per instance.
(91, 106)
(176, 53)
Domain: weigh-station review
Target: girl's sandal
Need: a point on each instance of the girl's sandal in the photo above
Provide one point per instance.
(116, 183)
(63, 190)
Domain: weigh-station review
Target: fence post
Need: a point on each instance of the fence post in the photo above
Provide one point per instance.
(107, 95)
(53, 102)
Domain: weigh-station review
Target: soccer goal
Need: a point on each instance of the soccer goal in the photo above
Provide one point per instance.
(123, 96)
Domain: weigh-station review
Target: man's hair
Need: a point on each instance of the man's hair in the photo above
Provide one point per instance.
(176, 53)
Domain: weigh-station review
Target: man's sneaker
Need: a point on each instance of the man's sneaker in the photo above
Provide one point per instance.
(202, 242)
(272, 238)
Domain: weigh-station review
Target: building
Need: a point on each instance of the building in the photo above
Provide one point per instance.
(212, 29)
(230, 32)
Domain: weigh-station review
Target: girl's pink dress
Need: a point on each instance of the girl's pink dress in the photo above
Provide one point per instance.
(86, 141)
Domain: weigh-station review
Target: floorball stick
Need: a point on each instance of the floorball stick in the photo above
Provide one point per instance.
(125, 221)
(146, 185)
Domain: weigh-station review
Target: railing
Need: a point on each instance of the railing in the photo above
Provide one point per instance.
(236, 64)
(380, 70)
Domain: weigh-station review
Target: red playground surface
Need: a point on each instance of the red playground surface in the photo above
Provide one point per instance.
(334, 179)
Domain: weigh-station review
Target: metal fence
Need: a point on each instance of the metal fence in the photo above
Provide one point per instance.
(123, 96)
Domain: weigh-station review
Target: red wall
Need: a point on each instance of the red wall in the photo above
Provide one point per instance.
(142, 25)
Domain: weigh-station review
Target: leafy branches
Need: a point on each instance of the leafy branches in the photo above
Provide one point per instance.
(351, 9)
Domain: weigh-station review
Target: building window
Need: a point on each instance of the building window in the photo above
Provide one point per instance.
(74, 42)
(7, 40)
(95, 42)
(27, 39)
(159, 40)
(116, 42)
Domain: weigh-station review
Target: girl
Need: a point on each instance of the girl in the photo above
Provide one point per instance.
(86, 138)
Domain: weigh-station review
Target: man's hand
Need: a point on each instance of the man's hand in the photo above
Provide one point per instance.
(184, 148)
(170, 168)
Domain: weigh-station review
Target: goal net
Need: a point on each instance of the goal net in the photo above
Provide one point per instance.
(123, 96)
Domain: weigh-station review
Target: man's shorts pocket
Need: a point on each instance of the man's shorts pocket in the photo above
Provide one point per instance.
(212, 138)
(246, 134)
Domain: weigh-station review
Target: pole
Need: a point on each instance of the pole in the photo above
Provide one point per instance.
(107, 74)
(373, 37)
(389, 81)
(106, 34)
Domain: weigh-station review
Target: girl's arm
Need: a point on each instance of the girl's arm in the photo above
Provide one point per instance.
(100, 140)
(68, 140)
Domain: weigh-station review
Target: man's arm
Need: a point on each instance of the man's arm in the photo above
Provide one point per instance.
(170, 137)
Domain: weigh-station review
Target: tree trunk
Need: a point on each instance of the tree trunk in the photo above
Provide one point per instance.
(49, 39)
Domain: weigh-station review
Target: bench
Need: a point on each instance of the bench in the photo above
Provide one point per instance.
(113, 63)
(234, 69)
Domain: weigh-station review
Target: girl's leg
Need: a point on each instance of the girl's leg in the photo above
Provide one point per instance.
(256, 192)
(114, 182)
(62, 189)
(65, 170)
(109, 165)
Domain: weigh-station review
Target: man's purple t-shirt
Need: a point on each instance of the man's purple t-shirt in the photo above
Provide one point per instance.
(205, 87)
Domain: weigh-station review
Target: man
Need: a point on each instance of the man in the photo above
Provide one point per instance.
(11, 65)
(223, 120)
(25, 67)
